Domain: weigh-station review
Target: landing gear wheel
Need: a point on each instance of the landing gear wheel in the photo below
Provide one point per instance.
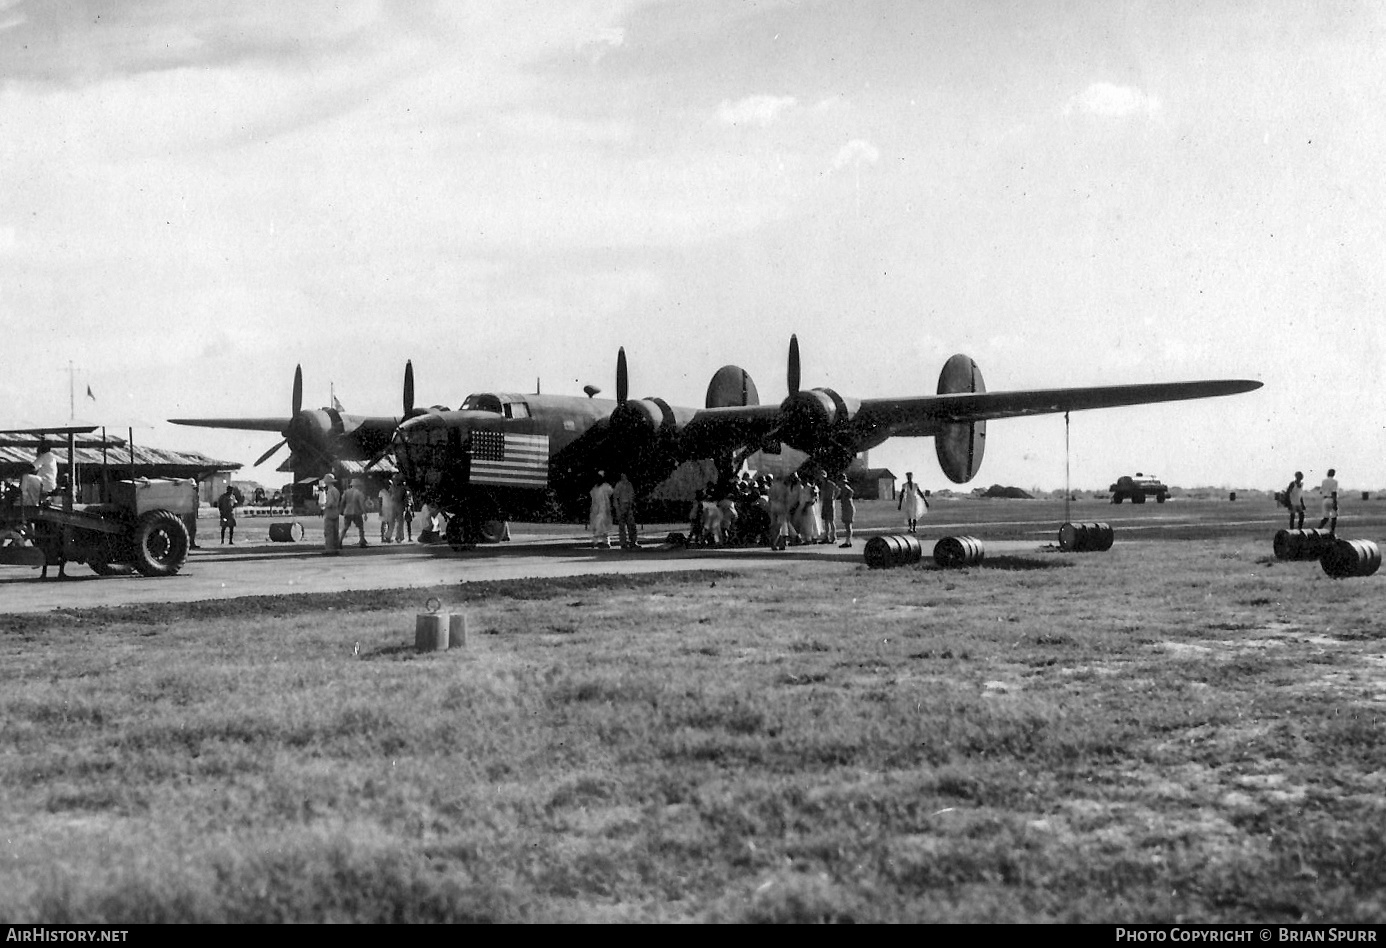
(490, 531)
(160, 542)
(457, 534)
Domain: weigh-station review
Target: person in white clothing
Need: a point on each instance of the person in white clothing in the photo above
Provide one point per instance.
(912, 501)
(46, 467)
(1329, 490)
(599, 517)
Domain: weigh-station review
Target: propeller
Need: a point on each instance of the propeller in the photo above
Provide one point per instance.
(270, 453)
(793, 365)
(297, 407)
(409, 412)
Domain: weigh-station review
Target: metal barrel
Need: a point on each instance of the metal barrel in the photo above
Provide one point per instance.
(1346, 558)
(286, 532)
(1281, 544)
(952, 552)
(1070, 534)
(1301, 544)
(1100, 537)
(892, 549)
(1086, 537)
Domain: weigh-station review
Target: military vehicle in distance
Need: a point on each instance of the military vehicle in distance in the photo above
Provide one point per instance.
(1137, 489)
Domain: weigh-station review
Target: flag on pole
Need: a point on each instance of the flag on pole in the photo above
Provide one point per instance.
(509, 459)
(90, 394)
(336, 405)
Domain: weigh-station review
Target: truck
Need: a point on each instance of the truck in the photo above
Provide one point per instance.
(141, 527)
(1137, 489)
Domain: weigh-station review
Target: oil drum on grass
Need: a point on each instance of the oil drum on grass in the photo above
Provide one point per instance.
(1086, 537)
(952, 552)
(893, 549)
(1301, 544)
(1347, 558)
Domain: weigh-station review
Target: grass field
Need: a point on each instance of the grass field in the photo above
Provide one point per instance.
(1180, 729)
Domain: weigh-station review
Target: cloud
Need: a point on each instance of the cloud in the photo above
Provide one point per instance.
(856, 153)
(755, 109)
(600, 42)
(1110, 101)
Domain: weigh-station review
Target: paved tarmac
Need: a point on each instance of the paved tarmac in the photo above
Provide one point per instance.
(262, 569)
(256, 567)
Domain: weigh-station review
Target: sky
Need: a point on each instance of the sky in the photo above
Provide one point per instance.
(196, 197)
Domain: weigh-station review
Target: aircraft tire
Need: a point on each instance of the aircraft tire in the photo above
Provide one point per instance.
(457, 534)
(160, 542)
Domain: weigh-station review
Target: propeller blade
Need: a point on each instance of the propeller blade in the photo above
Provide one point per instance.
(266, 456)
(298, 389)
(622, 382)
(793, 365)
(408, 388)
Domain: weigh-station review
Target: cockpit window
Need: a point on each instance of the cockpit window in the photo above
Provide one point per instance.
(516, 410)
(482, 402)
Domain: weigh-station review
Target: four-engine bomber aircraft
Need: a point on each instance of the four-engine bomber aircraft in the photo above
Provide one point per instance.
(319, 438)
(505, 456)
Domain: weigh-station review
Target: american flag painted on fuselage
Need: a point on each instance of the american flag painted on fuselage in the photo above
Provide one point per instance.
(509, 459)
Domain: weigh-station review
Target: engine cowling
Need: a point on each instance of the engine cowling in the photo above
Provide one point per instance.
(960, 445)
(644, 436)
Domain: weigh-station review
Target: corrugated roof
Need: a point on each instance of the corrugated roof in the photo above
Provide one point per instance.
(17, 457)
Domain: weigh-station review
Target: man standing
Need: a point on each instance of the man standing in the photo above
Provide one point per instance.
(1329, 490)
(828, 495)
(1294, 499)
(399, 501)
(599, 514)
(387, 513)
(778, 495)
(848, 507)
(331, 516)
(226, 509)
(912, 501)
(623, 499)
(354, 510)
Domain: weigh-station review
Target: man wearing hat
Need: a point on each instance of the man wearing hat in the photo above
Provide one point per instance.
(331, 516)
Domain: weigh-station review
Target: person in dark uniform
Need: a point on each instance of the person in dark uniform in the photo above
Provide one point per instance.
(226, 507)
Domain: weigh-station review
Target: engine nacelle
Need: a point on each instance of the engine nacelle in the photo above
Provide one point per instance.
(959, 445)
(644, 438)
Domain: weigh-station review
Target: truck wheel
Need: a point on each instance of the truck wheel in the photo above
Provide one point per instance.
(1159, 498)
(160, 542)
(1116, 498)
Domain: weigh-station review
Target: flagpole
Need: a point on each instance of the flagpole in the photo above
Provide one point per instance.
(71, 397)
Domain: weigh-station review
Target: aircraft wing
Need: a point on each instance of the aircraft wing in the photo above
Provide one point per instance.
(921, 414)
(239, 424)
(75, 427)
